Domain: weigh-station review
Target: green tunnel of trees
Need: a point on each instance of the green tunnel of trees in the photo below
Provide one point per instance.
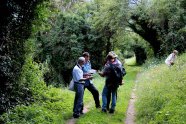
(47, 36)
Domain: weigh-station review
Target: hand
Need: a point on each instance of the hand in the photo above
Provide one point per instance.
(100, 73)
(90, 77)
(122, 82)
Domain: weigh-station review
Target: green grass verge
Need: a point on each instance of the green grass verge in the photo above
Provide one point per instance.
(55, 105)
(161, 94)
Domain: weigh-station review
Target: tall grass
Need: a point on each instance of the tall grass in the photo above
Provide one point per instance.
(161, 94)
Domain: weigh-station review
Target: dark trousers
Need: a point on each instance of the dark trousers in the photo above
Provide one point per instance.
(78, 101)
(94, 92)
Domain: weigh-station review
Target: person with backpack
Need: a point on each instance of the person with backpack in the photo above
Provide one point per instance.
(112, 72)
(118, 63)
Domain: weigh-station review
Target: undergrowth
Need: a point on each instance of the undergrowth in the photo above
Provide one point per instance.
(161, 94)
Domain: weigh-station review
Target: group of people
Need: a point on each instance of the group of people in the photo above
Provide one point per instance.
(83, 80)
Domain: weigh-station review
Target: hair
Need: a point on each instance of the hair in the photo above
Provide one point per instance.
(80, 60)
(109, 57)
(175, 51)
(86, 54)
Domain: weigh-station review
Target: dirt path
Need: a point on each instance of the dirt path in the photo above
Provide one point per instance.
(130, 119)
(73, 120)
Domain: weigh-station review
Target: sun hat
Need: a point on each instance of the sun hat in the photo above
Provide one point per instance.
(111, 53)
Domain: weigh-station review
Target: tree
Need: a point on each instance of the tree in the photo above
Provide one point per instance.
(15, 28)
(158, 23)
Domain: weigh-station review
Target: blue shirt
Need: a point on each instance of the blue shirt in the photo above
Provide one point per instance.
(87, 67)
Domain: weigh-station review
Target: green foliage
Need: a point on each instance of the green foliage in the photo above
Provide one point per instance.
(31, 79)
(130, 43)
(71, 34)
(161, 94)
(159, 22)
(63, 44)
(15, 28)
(108, 19)
(54, 107)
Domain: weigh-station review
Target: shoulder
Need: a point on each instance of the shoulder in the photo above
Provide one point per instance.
(76, 68)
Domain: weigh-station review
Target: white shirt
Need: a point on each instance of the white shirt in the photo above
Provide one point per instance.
(77, 73)
(170, 59)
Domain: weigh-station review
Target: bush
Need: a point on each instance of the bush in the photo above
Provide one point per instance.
(53, 107)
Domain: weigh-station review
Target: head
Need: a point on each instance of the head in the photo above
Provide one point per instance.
(81, 61)
(113, 54)
(86, 55)
(111, 57)
(175, 52)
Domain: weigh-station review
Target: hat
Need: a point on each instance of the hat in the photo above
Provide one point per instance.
(111, 53)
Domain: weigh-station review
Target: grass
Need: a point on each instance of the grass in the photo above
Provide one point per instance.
(55, 105)
(95, 116)
(161, 94)
(131, 61)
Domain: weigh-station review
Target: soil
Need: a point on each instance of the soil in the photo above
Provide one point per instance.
(73, 120)
(130, 119)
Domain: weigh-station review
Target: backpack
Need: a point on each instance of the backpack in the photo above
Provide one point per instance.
(115, 77)
(123, 71)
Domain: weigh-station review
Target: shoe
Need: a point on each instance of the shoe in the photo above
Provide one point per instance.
(81, 113)
(76, 115)
(104, 110)
(98, 106)
(111, 111)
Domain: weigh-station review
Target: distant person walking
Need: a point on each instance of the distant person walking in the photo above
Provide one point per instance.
(87, 71)
(170, 60)
(79, 82)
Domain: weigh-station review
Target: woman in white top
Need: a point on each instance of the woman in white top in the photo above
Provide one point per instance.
(171, 58)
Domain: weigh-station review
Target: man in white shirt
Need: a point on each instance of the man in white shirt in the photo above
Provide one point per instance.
(171, 58)
(79, 81)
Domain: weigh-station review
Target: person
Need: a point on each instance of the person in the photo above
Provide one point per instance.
(170, 60)
(118, 63)
(79, 81)
(88, 83)
(109, 87)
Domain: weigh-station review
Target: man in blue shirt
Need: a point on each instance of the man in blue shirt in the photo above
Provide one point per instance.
(88, 83)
